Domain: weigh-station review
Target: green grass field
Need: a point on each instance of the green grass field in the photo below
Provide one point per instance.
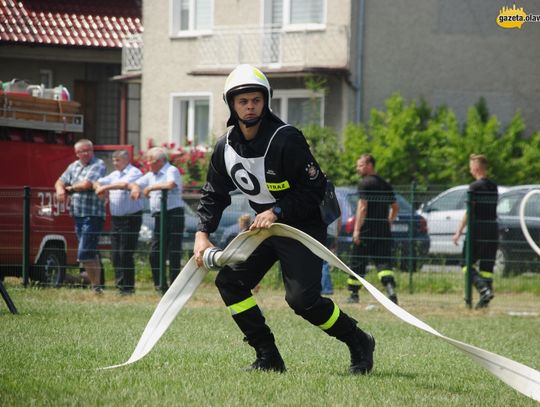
(50, 351)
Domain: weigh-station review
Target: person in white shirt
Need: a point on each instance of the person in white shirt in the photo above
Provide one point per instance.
(126, 218)
(161, 176)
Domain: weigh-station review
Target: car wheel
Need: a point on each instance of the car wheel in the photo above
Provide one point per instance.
(51, 267)
(501, 267)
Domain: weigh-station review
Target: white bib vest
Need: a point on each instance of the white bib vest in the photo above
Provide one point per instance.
(248, 174)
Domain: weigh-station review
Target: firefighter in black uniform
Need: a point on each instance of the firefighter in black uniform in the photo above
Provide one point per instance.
(270, 162)
(484, 231)
(377, 208)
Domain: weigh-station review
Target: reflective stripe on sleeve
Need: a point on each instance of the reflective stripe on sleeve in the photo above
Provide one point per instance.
(353, 281)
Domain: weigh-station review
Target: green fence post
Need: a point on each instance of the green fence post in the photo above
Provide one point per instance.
(162, 248)
(26, 236)
(468, 251)
(412, 251)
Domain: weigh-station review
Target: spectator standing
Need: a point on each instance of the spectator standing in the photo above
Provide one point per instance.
(377, 208)
(270, 162)
(332, 244)
(87, 209)
(484, 233)
(163, 176)
(126, 218)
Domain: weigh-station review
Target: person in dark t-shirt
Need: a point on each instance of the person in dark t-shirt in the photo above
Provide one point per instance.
(484, 232)
(372, 239)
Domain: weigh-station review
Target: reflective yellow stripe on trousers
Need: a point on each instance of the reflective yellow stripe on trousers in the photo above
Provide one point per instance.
(332, 320)
(385, 273)
(353, 281)
(242, 305)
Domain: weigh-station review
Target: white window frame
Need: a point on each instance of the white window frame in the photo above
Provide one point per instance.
(175, 117)
(289, 27)
(286, 94)
(174, 21)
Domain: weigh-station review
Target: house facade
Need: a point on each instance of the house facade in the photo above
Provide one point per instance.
(76, 44)
(331, 62)
(191, 46)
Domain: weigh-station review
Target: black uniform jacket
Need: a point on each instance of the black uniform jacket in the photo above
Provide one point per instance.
(288, 160)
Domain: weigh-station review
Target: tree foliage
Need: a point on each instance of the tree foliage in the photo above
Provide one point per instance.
(412, 142)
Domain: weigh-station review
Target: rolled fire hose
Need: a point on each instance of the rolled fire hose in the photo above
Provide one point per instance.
(524, 228)
(518, 376)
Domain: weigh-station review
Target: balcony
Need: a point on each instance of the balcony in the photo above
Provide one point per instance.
(132, 54)
(225, 48)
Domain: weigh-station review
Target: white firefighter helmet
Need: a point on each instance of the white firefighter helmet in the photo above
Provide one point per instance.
(243, 79)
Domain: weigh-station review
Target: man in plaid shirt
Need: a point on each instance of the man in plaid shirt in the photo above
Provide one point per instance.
(86, 208)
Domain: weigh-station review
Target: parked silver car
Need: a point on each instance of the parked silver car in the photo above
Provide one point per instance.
(444, 214)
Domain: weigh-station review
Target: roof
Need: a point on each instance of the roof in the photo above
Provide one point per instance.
(82, 23)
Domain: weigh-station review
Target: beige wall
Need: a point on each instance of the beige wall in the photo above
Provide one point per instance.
(168, 61)
(452, 53)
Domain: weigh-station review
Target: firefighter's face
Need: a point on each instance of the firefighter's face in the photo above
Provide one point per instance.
(84, 153)
(249, 105)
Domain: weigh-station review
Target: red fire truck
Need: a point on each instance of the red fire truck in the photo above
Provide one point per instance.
(36, 146)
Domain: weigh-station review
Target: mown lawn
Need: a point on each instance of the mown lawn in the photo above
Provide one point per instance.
(50, 351)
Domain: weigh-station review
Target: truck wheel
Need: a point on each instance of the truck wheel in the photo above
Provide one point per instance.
(51, 268)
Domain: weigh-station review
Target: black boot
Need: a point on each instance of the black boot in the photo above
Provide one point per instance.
(268, 359)
(354, 297)
(390, 289)
(361, 345)
(486, 293)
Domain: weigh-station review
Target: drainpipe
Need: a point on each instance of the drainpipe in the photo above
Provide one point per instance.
(359, 62)
(123, 113)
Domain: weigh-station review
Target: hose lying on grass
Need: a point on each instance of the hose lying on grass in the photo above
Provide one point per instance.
(518, 376)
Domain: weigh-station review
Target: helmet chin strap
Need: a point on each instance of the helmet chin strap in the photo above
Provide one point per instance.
(251, 122)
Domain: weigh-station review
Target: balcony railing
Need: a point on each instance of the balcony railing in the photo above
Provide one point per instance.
(226, 47)
(132, 54)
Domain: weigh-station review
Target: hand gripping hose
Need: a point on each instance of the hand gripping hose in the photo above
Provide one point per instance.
(518, 376)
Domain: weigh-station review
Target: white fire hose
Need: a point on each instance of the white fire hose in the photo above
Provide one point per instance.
(524, 228)
(518, 376)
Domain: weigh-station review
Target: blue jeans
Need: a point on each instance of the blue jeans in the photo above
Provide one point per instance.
(326, 280)
(88, 229)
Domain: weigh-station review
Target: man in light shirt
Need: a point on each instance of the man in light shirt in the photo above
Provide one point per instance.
(161, 176)
(126, 218)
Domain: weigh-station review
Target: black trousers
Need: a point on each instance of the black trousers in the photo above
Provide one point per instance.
(485, 241)
(301, 273)
(174, 230)
(374, 248)
(124, 238)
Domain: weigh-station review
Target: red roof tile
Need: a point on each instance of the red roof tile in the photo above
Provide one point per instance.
(83, 23)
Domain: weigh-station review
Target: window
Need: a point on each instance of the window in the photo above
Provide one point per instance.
(191, 17)
(190, 119)
(295, 14)
(299, 107)
(532, 210)
(46, 77)
(451, 201)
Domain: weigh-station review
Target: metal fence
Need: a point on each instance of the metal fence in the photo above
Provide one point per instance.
(38, 242)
